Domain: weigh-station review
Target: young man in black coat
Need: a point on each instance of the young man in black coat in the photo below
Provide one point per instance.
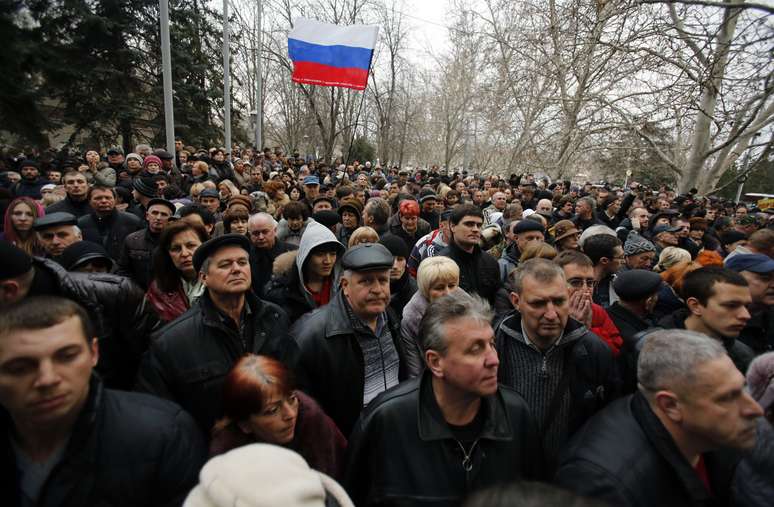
(67, 440)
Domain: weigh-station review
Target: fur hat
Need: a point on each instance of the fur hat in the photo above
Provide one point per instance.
(259, 475)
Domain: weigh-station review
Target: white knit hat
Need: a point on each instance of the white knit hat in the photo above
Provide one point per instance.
(263, 475)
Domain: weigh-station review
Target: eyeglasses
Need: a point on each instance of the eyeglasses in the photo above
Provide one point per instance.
(579, 283)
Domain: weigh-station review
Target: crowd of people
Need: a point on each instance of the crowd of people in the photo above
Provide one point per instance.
(253, 328)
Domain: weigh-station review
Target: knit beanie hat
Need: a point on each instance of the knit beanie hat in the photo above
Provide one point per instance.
(760, 380)
(636, 244)
(135, 156)
(149, 159)
(263, 475)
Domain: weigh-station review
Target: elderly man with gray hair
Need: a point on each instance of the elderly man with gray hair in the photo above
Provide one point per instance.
(439, 437)
(674, 442)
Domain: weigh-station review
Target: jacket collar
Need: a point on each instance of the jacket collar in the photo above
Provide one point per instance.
(432, 426)
(664, 445)
(511, 326)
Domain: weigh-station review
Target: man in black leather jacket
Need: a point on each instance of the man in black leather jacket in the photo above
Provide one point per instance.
(675, 441)
(350, 348)
(68, 441)
(110, 300)
(192, 355)
(439, 437)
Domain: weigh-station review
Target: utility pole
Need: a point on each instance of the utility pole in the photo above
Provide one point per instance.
(166, 72)
(258, 79)
(226, 80)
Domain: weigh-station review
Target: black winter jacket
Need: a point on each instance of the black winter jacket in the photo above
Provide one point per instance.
(189, 360)
(401, 292)
(136, 260)
(628, 325)
(479, 271)
(109, 231)
(67, 205)
(332, 360)
(261, 264)
(403, 453)
(111, 302)
(740, 354)
(626, 458)
(126, 449)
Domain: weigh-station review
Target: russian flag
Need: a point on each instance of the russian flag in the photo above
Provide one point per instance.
(331, 55)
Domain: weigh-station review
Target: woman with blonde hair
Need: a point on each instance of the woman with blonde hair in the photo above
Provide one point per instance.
(671, 256)
(363, 234)
(436, 277)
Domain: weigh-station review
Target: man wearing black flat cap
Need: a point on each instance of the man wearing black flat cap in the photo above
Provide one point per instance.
(57, 231)
(135, 258)
(189, 360)
(87, 257)
(350, 348)
(633, 314)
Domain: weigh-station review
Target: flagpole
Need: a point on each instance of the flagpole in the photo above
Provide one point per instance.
(226, 80)
(359, 111)
(166, 72)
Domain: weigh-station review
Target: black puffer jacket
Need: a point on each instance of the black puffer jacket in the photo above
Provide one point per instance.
(111, 302)
(754, 481)
(135, 260)
(109, 231)
(479, 271)
(626, 458)
(192, 355)
(740, 354)
(332, 359)
(126, 449)
(403, 453)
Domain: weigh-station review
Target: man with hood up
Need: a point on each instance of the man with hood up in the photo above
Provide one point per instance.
(307, 278)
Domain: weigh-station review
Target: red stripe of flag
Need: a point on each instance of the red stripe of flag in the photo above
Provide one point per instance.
(325, 75)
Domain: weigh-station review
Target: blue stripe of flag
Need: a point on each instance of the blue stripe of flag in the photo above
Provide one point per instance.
(335, 56)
